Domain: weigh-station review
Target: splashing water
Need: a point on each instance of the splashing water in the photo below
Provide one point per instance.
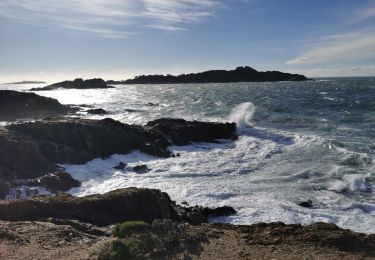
(242, 115)
(298, 146)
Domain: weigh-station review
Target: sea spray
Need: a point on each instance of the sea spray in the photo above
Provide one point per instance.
(242, 115)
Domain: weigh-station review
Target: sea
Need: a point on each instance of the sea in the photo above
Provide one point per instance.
(298, 141)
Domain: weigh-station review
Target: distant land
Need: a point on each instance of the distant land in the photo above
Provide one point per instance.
(240, 74)
(26, 82)
(75, 84)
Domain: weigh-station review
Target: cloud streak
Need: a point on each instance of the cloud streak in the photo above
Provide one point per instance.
(171, 14)
(333, 48)
(110, 18)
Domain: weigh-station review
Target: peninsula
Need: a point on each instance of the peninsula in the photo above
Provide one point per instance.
(240, 74)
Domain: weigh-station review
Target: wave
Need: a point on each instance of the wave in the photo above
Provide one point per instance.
(242, 115)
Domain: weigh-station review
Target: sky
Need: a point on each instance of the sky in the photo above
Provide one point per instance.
(55, 40)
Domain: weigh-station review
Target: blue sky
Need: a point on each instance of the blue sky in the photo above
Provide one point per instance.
(117, 39)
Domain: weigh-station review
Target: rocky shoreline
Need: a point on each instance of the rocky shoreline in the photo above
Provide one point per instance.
(148, 224)
(152, 226)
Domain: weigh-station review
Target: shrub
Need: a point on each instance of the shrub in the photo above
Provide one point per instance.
(116, 250)
(125, 229)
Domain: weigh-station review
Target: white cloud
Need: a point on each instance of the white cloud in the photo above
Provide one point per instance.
(110, 18)
(165, 14)
(364, 13)
(353, 71)
(334, 48)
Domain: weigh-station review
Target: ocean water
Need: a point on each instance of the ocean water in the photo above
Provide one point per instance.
(298, 141)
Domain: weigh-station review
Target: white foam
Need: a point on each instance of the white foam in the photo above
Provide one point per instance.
(242, 115)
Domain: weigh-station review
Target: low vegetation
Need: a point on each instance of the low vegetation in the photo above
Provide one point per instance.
(163, 239)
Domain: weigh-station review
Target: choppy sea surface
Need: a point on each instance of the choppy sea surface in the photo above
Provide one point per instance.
(298, 141)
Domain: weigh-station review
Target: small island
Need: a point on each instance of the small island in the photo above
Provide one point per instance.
(25, 82)
(240, 74)
(76, 84)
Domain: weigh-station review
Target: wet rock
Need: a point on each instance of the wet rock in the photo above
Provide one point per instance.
(197, 215)
(78, 140)
(14, 105)
(102, 210)
(120, 166)
(306, 204)
(182, 132)
(76, 84)
(58, 181)
(33, 149)
(21, 158)
(97, 111)
(141, 169)
(105, 209)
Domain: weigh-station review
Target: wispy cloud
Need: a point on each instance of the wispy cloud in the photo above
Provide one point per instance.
(343, 47)
(364, 13)
(171, 14)
(110, 18)
(365, 70)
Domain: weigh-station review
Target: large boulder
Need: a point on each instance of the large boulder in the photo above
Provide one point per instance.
(109, 208)
(76, 84)
(78, 140)
(14, 105)
(58, 181)
(182, 132)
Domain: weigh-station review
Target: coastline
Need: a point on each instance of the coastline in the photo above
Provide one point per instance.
(252, 241)
(62, 236)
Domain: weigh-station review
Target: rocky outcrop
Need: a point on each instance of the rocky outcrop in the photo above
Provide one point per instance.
(33, 149)
(240, 74)
(79, 140)
(110, 208)
(14, 105)
(97, 111)
(58, 181)
(76, 84)
(182, 132)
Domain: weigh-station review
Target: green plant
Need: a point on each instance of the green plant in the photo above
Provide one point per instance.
(125, 229)
(116, 250)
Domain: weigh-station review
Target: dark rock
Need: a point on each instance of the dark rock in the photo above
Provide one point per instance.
(306, 204)
(58, 181)
(182, 132)
(113, 207)
(33, 149)
(197, 215)
(130, 110)
(97, 111)
(83, 227)
(120, 166)
(21, 158)
(320, 234)
(76, 84)
(4, 188)
(240, 74)
(15, 105)
(78, 140)
(109, 208)
(141, 169)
